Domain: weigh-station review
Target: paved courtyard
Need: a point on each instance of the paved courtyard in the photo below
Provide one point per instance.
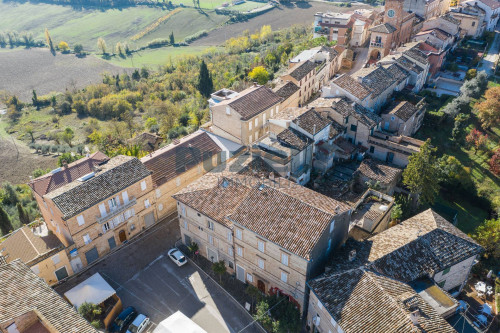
(144, 277)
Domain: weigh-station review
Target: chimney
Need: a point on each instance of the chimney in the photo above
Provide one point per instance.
(314, 129)
(254, 83)
(415, 316)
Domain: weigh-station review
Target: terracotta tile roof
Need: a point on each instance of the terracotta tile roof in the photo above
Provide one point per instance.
(293, 139)
(335, 129)
(352, 86)
(422, 245)
(258, 168)
(384, 28)
(23, 292)
(347, 108)
(346, 146)
(438, 33)
(404, 110)
(52, 181)
(116, 175)
(290, 215)
(364, 301)
(415, 53)
(25, 245)
(311, 121)
(381, 78)
(175, 159)
(299, 71)
(254, 101)
(379, 171)
(287, 89)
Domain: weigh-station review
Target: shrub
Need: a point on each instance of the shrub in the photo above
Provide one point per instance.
(45, 149)
(193, 37)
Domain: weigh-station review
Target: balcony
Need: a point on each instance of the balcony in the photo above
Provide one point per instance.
(117, 211)
(375, 44)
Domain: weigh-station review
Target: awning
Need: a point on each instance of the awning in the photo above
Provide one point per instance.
(94, 290)
(178, 323)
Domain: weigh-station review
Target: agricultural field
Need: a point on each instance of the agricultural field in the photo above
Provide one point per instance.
(85, 26)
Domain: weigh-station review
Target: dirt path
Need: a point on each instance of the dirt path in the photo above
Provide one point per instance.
(16, 160)
(278, 18)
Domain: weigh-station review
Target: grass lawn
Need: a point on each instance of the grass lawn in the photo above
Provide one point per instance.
(114, 25)
(160, 56)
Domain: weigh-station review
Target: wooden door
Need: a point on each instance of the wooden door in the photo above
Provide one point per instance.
(262, 286)
(122, 235)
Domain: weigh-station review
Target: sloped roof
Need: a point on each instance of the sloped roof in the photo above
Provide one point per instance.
(175, 159)
(379, 171)
(25, 245)
(23, 291)
(364, 301)
(147, 141)
(384, 28)
(352, 86)
(286, 90)
(404, 110)
(347, 108)
(493, 4)
(299, 71)
(254, 101)
(294, 139)
(52, 181)
(311, 121)
(116, 175)
(415, 53)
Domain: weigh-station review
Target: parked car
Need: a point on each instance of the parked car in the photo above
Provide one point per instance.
(177, 256)
(139, 324)
(124, 319)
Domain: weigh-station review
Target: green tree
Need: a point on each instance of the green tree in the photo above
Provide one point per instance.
(172, 39)
(205, 82)
(67, 136)
(40, 172)
(488, 235)
(254, 293)
(193, 248)
(421, 175)
(49, 41)
(101, 45)
(80, 107)
(78, 48)
(136, 75)
(34, 99)
(65, 107)
(28, 129)
(23, 214)
(144, 73)
(151, 121)
(67, 158)
(397, 212)
(91, 312)
(219, 268)
(262, 315)
(63, 46)
(10, 196)
(259, 74)
(5, 224)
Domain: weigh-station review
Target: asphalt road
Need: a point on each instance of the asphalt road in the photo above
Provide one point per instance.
(489, 61)
(144, 277)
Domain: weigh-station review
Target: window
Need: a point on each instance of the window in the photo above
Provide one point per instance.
(230, 264)
(125, 197)
(228, 110)
(378, 39)
(260, 262)
(372, 149)
(80, 220)
(185, 224)
(473, 23)
(56, 259)
(260, 245)
(51, 212)
(332, 226)
(132, 227)
(264, 119)
(105, 227)
(210, 225)
(86, 238)
(354, 128)
(61, 273)
(320, 306)
(146, 203)
(239, 251)
(230, 250)
(284, 277)
(211, 239)
(446, 271)
(35, 269)
(256, 122)
(249, 277)
(112, 204)
(160, 207)
(183, 210)
(249, 125)
(143, 185)
(229, 236)
(158, 193)
(284, 259)
(239, 234)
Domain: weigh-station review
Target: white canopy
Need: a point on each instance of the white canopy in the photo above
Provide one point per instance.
(178, 323)
(93, 290)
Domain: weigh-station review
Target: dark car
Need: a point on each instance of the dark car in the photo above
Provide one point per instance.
(123, 320)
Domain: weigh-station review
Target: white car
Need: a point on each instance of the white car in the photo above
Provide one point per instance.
(177, 256)
(139, 324)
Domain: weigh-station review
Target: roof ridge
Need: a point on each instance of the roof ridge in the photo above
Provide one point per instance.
(29, 240)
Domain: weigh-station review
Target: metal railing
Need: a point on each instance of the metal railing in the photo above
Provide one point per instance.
(120, 209)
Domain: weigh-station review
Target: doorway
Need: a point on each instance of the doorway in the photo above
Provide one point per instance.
(390, 157)
(122, 236)
(261, 285)
(240, 273)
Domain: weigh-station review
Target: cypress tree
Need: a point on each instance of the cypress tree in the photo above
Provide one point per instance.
(23, 215)
(5, 225)
(205, 83)
(172, 39)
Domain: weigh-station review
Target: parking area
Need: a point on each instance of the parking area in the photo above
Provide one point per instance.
(145, 278)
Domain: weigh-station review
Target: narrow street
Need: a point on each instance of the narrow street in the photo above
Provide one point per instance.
(488, 62)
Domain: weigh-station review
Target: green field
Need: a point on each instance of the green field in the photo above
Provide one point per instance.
(155, 57)
(114, 25)
(212, 4)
